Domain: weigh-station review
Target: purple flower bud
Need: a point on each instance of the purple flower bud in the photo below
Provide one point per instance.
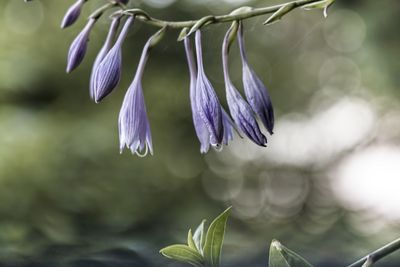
(255, 90)
(240, 110)
(108, 72)
(201, 130)
(78, 47)
(72, 14)
(103, 52)
(200, 127)
(134, 126)
(207, 103)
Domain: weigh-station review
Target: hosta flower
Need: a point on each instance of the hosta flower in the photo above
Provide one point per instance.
(78, 47)
(108, 72)
(72, 14)
(200, 127)
(134, 126)
(240, 110)
(103, 52)
(255, 90)
(206, 101)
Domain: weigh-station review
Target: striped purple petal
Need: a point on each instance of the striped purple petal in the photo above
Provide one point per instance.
(256, 92)
(208, 105)
(201, 130)
(134, 126)
(228, 127)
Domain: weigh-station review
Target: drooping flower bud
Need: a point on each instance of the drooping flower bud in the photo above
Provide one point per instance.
(240, 110)
(256, 92)
(201, 130)
(77, 50)
(200, 127)
(208, 105)
(103, 52)
(108, 72)
(134, 126)
(72, 14)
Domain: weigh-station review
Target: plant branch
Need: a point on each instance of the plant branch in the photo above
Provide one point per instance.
(249, 13)
(378, 254)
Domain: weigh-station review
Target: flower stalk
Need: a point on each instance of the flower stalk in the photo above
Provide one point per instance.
(234, 16)
(378, 254)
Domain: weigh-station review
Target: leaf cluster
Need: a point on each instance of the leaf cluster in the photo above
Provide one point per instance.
(204, 247)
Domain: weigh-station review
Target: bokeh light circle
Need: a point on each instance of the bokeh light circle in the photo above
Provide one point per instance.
(345, 31)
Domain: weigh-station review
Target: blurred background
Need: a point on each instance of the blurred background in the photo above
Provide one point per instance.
(326, 186)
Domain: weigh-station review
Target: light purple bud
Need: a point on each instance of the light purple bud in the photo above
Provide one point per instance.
(134, 126)
(103, 52)
(108, 73)
(77, 50)
(240, 110)
(208, 105)
(201, 130)
(256, 92)
(72, 14)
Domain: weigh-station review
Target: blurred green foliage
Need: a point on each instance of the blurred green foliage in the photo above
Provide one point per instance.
(67, 194)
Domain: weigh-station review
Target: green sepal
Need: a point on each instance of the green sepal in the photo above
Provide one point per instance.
(280, 13)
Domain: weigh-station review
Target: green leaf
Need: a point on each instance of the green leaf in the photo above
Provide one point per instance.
(199, 236)
(215, 238)
(183, 253)
(280, 256)
(190, 240)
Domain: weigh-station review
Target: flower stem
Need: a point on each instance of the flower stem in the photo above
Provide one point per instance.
(378, 254)
(219, 19)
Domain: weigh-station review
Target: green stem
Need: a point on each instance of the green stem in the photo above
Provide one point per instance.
(378, 254)
(99, 12)
(219, 19)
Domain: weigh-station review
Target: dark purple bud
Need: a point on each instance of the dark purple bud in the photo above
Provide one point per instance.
(240, 110)
(103, 52)
(255, 90)
(124, 1)
(108, 72)
(208, 105)
(134, 126)
(78, 47)
(72, 14)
